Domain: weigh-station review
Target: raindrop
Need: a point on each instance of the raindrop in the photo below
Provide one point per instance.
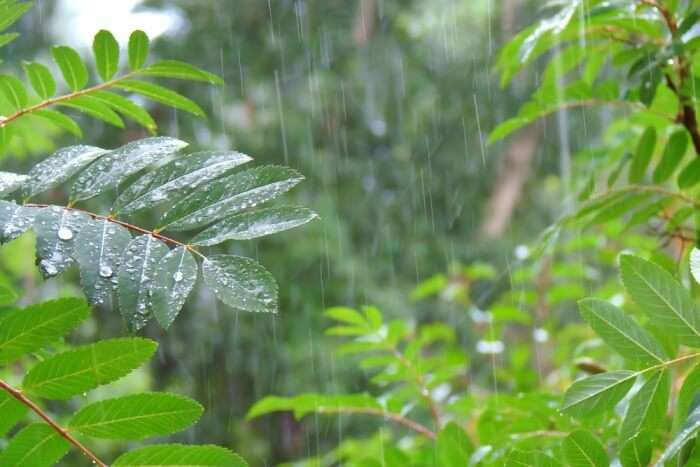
(64, 233)
(106, 272)
(178, 276)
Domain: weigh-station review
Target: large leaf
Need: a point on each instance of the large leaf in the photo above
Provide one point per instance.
(621, 332)
(106, 50)
(592, 395)
(647, 409)
(582, 449)
(665, 300)
(687, 433)
(112, 168)
(241, 283)
(56, 229)
(10, 182)
(72, 67)
(84, 368)
(15, 220)
(229, 195)
(173, 279)
(59, 167)
(179, 455)
(178, 178)
(26, 330)
(37, 445)
(135, 276)
(254, 224)
(636, 452)
(137, 416)
(12, 412)
(99, 250)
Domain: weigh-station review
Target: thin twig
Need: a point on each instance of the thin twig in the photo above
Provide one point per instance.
(401, 420)
(17, 394)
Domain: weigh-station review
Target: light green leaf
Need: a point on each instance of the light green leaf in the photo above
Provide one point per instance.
(41, 79)
(138, 49)
(621, 332)
(173, 279)
(642, 158)
(695, 264)
(14, 91)
(27, 330)
(7, 38)
(15, 220)
(519, 458)
(637, 451)
(160, 94)
(684, 400)
(666, 301)
(672, 156)
(180, 70)
(241, 283)
(179, 455)
(106, 50)
(690, 175)
(137, 416)
(84, 368)
(72, 68)
(12, 412)
(94, 108)
(647, 409)
(228, 195)
(127, 108)
(582, 449)
(135, 277)
(10, 12)
(453, 446)
(594, 394)
(36, 445)
(59, 167)
(305, 404)
(56, 229)
(10, 182)
(98, 250)
(687, 433)
(60, 120)
(112, 168)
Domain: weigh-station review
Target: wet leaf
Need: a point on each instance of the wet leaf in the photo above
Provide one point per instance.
(60, 166)
(241, 283)
(15, 220)
(173, 280)
(56, 229)
(10, 182)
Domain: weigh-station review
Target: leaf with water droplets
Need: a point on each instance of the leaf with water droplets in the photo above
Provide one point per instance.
(98, 250)
(228, 195)
(112, 168)
(177, 179)
(9, 182)
(60, 166)
(241, 283)
(56, 229)
(173, 280)
(695, 264)
(135, 277)
(15, 220)
(254, 224)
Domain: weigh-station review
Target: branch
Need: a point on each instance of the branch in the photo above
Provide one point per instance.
(401, 420)
(17, 394)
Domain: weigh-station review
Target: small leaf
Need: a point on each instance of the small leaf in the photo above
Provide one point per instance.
(36, 445)
(254, 224)
(687, 433)
(27, 330)
(181, 70)
(595, 394)
(647, 409)
(690, 175)
(136, 417)
(41, 79)
(173, 279)
(305, 404)
(637, 451)
(672, 156)
(14, 91)
(241, 283)
(641, 160)
(56, 229)
(60, 120)
(135, 278)
(12, 412)
(138, 49)
(127, 108)
(160, 94)
(10, 182)
(453, 446)
(582, 449)
(11, 12)
(106, 50)
(695, 264)
(15, 220)
(94, 108)
(72, 67)
(178, 455)
(60, 166)
(84, 368)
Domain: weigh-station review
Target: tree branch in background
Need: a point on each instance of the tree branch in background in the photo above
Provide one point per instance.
(364, 22)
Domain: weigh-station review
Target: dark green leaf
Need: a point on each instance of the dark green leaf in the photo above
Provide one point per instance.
(241, 283)
(687, 433)
(72, 67)
(690, 175)
(15, 220)
(106, 50)
(94, 108)
(138, 49)
(56, 229)
(672, 156)
(12, 412)
(647, 409)
(642, 158)
(173, 280)
(59, 167)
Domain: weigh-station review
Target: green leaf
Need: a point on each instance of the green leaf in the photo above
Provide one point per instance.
(135, 277)
(27, 330)
(647, 409)
(138, 49)
(60, 120)
(687, 432)
(94, 108)
(7, 295)
(241, 283)
(228, 195)
(666, 301)
(518, 458)
(12, 412)
(672, 156)
(305, 404)
(106, 50)
(10, 12)
(112, 168)
(160, 94)
(453, 446)
(695, 264)
(688, 392)
(74, 71)
(173, 279)
(15, 220)
(37, 445)
(621, 332)
(41, 79)
(690, 175)
(59, 167)
(642, 158)
(84, 368)
(10, 182)
(127, 108)
(137, 416)
(254, 224)
(637, 451)
(98, 250)
(180, 70)
(582, 449)
(7, 38)
(592, 395)
(178, 178)
(178, 455)
(14, 91)
(56, 229)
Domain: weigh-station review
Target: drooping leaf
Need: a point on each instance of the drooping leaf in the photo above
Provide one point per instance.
(41, 79)
(135, 277)
(647, 409)
(56, 229)
(94, 108)
(180, 70)
(229, 195)
(161, 94)
(453, 446)
(59, 167)
(173, 279)
(582, 449)
(10, 182)
(26, 330)
(672, 156)
(60, 120)
(138, 49)
(72, 68)
(666, 301)
(36, 445)
(594, 394)
(14, 91)
(98, 250)
(642, 158)
(178, 455)
(636, 452)
(241, 283)
(106, 50)
(254, 224)
(15, 220)
(136, 416)
(127, 108)
(12, 412)
(687, 432)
